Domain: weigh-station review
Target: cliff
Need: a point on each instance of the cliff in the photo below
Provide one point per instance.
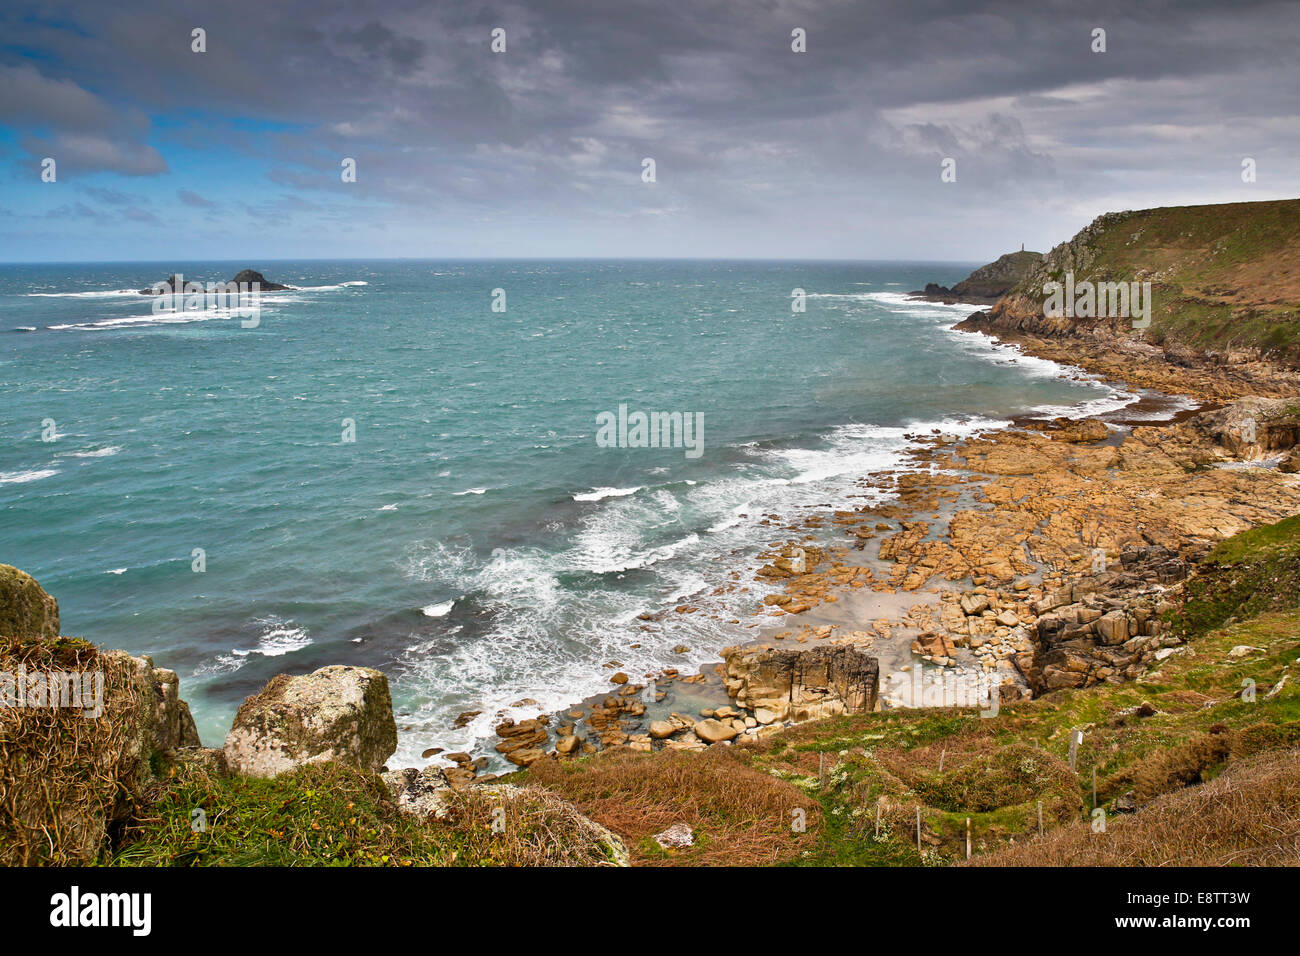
(1224, 282)
(987, 283)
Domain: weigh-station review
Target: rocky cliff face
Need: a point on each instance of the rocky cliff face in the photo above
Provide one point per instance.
(987, 283)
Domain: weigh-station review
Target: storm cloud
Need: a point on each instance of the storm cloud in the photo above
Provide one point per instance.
(538, 150)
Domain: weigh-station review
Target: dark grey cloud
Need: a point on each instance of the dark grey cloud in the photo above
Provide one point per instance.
(745, 133)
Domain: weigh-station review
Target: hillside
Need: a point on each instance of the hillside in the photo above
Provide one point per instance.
(987, 283)
(1225, 295)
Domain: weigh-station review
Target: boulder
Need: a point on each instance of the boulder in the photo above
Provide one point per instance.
(27, 613)
(420, 793)
(337, 713)
(659, 729)
(783, 684)
(1112, 627)
(676, 837)
(713, 731)
(1078, 431)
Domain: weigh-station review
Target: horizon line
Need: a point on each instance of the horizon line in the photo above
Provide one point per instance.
(59, 262)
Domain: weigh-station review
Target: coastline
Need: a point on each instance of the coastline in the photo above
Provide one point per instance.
(906, 600)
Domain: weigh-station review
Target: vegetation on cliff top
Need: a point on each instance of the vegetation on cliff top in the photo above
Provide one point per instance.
(1223, 276)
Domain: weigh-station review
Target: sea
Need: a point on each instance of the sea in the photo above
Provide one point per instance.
(400, 464)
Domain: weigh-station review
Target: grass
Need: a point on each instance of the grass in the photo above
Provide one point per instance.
(739, 816)
(1221, 275)
(1249, 816)
(332, 815)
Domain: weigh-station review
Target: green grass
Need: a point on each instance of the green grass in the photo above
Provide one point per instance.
(1204, 256)
(320, 816)
(996, 770)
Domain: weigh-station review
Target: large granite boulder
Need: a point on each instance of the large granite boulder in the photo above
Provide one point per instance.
(786, 684)
(338, 713)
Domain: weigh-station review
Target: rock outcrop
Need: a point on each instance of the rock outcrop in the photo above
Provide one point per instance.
(175, 284)
(68, 772)
(988, 283)
(336, 713)
(780, 684)
(27, 613)
(1107, 627)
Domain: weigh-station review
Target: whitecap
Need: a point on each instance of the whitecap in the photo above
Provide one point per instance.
(23, 477)
(601, 493)
(105, 452)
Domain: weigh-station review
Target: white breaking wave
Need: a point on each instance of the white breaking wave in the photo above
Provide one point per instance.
(23, 477)
(278, 638)
(331, 288)
(600, 494)
(105, 452)
(98, 294)
(438, 610)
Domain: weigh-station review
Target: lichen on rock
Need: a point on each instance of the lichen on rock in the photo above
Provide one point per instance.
(338, 713)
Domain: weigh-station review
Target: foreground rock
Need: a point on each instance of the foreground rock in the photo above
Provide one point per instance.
(780, 684)
(69, 773)
(336, 713)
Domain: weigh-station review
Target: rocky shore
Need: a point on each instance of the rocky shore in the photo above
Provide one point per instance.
(1009, 565)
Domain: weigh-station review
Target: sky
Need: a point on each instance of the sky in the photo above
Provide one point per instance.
(238, 151)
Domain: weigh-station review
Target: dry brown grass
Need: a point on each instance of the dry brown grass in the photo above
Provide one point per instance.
(1179, 766)
(64, 777)
(1248, 816)
(740, 816)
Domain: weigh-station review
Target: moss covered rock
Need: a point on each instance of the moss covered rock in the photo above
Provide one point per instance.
(337, 713)
(27, 613)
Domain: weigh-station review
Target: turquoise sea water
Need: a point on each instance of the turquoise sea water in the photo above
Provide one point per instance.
(473, 541)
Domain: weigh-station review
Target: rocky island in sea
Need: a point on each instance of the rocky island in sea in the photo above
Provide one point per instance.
(245, 279)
